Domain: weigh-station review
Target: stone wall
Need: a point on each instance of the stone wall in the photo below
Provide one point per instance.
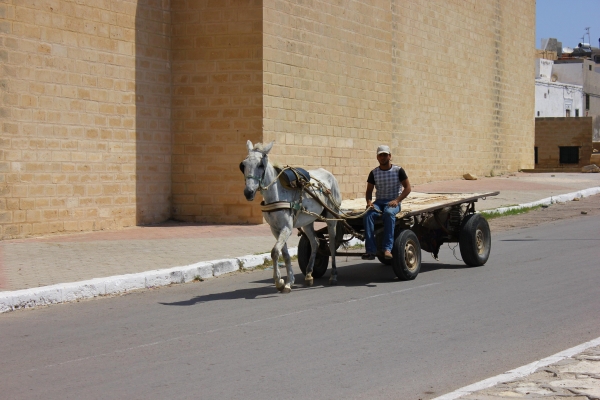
(464, 88)
(217, 106)
(552, 133)
(123, 112)
(76, 78)
(328, 85)
(443, 83)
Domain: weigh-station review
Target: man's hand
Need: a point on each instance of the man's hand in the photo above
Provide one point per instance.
(393, 203)
(369, 204)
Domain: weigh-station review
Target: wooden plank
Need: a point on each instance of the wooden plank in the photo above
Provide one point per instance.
(417, 203)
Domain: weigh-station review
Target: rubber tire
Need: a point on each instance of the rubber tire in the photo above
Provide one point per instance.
(379, 254)
(321, 261)
(473, 255)
(404, 272)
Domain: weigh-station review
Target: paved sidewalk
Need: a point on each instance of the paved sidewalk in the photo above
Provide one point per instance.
(51, 260)
(571, 374)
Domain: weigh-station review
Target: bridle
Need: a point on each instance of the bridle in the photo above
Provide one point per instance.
(256, 178)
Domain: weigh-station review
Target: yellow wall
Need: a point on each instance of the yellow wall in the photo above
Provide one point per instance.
(553, 133)
(85, 138)
(464, 89)
(217, 106)
(328, 85)
(448, 85)
(116, 113)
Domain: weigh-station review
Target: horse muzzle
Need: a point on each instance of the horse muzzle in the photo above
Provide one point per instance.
(249, 194)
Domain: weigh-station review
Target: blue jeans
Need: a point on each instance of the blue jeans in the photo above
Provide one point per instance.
(389, 221)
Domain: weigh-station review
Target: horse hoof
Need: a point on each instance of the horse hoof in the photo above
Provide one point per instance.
(286, 289)
(332, 282)
(280, 284)
(309, 282)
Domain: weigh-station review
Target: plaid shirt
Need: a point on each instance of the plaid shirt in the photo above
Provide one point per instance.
(388, 184)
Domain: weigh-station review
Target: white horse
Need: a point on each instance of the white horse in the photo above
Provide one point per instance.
(261, 176)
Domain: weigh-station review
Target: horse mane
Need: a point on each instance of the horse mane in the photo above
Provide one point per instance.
(259, 147)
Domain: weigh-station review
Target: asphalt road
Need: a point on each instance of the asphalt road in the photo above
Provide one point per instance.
(371, 337)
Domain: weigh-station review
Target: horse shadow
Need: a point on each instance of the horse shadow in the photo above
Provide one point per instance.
(359, 274)
(264, 292)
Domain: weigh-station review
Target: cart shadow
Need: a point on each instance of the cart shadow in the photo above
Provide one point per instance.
(434, 266)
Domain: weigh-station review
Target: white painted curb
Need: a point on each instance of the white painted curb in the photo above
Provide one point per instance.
(67, 292)
(519, 372)
(113, 285)
(561, 198)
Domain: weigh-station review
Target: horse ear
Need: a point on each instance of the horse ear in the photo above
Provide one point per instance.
(268, 147)
(242, 168)
(249, 146)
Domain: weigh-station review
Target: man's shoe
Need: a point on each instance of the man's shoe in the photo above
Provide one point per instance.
(388, 255)
(368, 256)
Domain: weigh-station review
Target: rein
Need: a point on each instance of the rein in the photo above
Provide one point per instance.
(260, 180)
(284, 205)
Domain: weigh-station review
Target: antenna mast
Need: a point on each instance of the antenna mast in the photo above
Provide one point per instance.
(587, 28)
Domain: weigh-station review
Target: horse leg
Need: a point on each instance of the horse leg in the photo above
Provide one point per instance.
(284, 234)
(309, 231)
(288, 266)
(331, 228)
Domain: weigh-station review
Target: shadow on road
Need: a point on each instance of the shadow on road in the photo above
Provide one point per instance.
(249, 294)
(361, 274)
(544, 240)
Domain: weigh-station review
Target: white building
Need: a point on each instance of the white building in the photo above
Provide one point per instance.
(555, 97)
(585, 72)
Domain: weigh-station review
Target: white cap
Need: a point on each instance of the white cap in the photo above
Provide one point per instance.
(383, 149)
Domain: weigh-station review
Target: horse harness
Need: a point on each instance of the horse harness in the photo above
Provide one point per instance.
(299, 179)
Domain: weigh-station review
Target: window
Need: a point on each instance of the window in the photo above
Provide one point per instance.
(590, 67)
(535, 154)
(538, 113)
(587, 101)
(569, 155)
(567, 113)
(544, 95)
(577, 112)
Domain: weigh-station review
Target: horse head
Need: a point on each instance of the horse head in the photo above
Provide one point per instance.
(254, 168)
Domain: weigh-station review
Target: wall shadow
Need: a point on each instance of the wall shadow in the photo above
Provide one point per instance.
(152, 130)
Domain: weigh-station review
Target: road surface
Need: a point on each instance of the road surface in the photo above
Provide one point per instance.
(370, 337)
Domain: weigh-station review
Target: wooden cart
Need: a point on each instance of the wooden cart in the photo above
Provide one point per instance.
(425, 222)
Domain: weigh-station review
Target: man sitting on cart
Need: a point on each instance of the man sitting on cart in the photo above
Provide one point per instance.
(388, 179)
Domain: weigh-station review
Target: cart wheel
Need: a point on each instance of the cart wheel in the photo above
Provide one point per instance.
(379, 254)
(321, 260)
(407, 255)
(475, 240)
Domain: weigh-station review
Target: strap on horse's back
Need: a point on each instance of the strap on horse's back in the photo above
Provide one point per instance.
(294, 177)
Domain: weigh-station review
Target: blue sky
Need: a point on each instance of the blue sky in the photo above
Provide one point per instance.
(566, 21)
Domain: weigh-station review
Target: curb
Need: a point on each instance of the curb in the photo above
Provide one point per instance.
(561, 198)
(520, 372)
(119, 284)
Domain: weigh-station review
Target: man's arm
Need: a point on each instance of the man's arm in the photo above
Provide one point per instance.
(406, 189)
(369, 194)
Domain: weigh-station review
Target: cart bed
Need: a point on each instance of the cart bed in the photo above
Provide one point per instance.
(417, 203)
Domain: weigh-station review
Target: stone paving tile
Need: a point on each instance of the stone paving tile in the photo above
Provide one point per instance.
(577, 377)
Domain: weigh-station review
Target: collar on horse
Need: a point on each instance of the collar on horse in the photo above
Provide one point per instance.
(291, 178)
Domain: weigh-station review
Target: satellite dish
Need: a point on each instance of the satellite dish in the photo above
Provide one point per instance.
(567, 50)
(554, 77)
